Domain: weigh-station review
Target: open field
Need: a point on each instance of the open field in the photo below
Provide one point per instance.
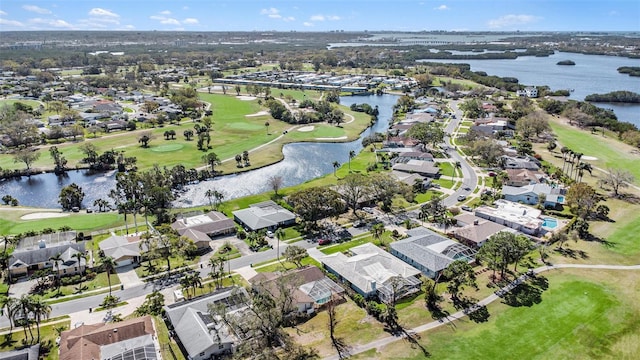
(581, 315)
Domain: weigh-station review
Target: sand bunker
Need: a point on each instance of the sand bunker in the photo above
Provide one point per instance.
(306, 128)
(259, 113)
(246, 98)
(590, 158)
(330, 139)
(43, 215)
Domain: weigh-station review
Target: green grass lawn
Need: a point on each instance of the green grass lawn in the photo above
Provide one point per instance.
(168, 348)
(161, 265)
(446, 168)
(99, 282)
(578, 318)
(9, 102)
(445, 183)
(47, 334)
(319, 131)
(610, 152)
(10, 222)
(285, 265)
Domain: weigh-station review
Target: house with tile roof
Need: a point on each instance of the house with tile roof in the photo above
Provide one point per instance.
(373, 272)
(474, 231)
(129, 339)
(265, 215)
(429, 251)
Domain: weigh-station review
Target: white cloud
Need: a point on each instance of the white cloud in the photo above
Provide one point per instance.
(289, 18)
(308, 24)
(103, 13)
(185, 8)
(10, 22)
(36, 9)
(320, 17)
(165, 20)
(512, 20)
(190, 21)
(129, 27)
(56, 23)
(441, 7)
(2, 12)
(271, 12)
(165, 12)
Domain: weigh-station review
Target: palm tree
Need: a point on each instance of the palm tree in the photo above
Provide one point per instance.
(212, 160)
(109, 265)
(25, 306)
(352, 154)
(196, 281)
(279, 234)
(57, 259)
(564, 150)
(40, 309)
(209, 195)
(336, 165)
(266, 124)
(11, 306)
(377, 230)
(245, 158)
(582, 167)
(217, 270)
(457, 165)
(578, 156)
(238, 160)
(80, 256)
(218, 196)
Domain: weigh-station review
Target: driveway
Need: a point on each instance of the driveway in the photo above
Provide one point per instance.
(128, 276)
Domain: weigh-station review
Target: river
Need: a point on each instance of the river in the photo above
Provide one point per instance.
(592, 74)
(302, 162)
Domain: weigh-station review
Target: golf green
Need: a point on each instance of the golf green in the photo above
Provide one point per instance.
(167, 148)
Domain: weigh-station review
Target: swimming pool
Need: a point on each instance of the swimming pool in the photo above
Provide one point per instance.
(550, 223)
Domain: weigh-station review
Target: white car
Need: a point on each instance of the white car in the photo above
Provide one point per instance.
(270, 233)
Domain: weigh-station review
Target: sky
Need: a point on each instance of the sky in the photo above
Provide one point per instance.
(321, 15)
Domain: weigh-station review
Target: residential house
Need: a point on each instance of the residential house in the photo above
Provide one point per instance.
(310, 288)
(201, 335)
(129, 339)
(532, 194)
(373, 272)
(125, 250)
(421, 167)
(413, 155)
(212, 224)
(530, 92)
(516, 216)
(399, 142)
(265, 215)
(430, 252)
(520, 162)
(23, 263)
(474, 231)
(523, 177)
(26, 353)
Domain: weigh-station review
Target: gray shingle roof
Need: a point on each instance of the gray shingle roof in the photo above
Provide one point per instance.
(39, 256)
(263, 215)
(428, 249)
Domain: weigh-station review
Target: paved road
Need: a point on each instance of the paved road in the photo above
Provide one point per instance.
(376, 344)
(72, 306)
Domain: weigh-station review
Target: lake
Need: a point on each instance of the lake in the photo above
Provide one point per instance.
(592, 74)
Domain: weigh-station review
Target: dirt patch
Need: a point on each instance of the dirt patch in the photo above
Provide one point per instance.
(259, 113)
(43, 215)
(246, 98)
(306, 128)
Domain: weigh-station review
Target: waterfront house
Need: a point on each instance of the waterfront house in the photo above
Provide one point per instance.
(265, 215)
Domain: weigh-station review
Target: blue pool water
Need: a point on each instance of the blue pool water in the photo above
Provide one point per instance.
(550, 223)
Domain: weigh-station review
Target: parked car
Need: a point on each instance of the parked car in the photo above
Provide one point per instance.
(466, 208)
(270, 233)
(462, 197)
(359, 223)
(324, 241)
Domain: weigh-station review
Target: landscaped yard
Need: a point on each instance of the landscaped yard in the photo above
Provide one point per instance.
(47, 334)
(99, 282)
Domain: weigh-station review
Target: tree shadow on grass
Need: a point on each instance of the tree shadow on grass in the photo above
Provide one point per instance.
(527, 293)
(574, 254)
(469, 306)
(8, 342)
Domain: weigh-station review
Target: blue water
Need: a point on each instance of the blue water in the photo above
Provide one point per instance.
(550, 223)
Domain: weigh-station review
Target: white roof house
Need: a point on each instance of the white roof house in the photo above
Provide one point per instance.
(371, 271)
(516, 216)
(264, 215)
